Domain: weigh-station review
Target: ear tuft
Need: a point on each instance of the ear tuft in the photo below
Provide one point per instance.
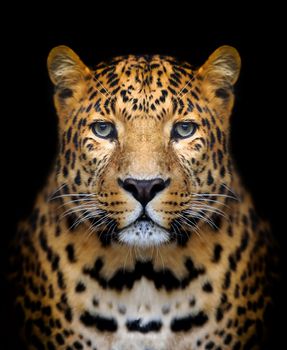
(222, 66)
(65, 66)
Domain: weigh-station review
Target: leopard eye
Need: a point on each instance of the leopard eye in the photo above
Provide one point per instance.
(105, 130)
(183, 130)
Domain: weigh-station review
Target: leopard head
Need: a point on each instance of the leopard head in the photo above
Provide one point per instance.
(144, 143)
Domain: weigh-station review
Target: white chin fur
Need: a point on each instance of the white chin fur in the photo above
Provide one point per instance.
(143, 233)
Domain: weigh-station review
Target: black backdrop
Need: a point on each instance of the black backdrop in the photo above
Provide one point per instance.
(28, 118)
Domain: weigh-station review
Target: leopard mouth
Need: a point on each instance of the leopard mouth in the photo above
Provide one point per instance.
(143, 232)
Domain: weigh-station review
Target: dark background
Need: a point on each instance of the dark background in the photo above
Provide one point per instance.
(28, 119)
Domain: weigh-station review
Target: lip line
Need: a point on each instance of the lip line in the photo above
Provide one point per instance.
(147, 220)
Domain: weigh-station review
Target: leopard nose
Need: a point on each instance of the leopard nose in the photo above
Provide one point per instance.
(144, 190)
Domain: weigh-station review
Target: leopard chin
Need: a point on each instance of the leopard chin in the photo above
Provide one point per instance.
(144, 233)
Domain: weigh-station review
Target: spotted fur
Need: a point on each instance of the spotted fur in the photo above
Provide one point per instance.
(94, 269)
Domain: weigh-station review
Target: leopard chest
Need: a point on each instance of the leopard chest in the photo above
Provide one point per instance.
(143, 308)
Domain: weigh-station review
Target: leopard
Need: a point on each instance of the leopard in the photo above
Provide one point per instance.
(144, 236)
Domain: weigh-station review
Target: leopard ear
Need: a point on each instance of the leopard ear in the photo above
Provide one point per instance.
(65, 67)
(222, 67)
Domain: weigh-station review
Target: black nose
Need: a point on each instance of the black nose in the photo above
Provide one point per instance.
(144, 190)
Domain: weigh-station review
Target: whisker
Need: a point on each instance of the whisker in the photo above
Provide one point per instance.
(77, 209)
(74, 195)
(213, 195)
(57, 190)
(231, 191)
(75, 201)
(192, 225)
(211, 201)
(161, 258)
(207, 207)
(127, 257)
(203, 218)
(81, 218)
(181, 227)
(105, 222)
(107, 92)
(100, 221)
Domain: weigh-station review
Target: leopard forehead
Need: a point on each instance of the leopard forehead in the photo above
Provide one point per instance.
(132, 87)
(142, 87)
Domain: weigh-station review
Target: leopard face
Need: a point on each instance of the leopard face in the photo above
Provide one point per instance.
(144, 143)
